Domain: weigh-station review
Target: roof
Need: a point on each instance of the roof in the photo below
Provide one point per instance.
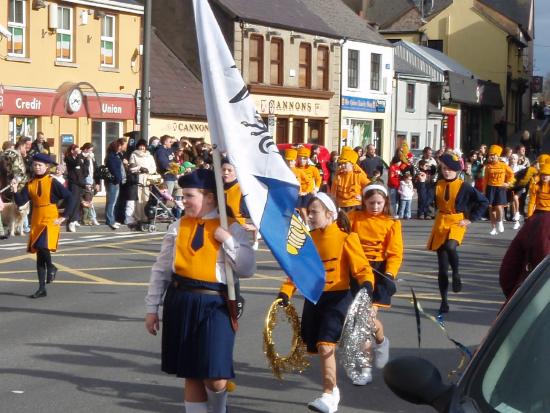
(343, 20)
(175, 91)
(130, 6)
(289, 14)
(441, 60)
(386, 12)
(404, 67)
(518, 11)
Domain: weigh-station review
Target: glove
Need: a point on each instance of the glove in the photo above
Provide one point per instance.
(367, 285)
(240, 306)
(285, 300)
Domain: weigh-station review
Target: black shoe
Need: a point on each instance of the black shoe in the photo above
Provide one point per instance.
(2, 237)
(457, 284)
(41, 292)
(443, 308)
(51, 275)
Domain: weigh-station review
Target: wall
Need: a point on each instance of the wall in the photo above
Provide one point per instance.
(412, 122)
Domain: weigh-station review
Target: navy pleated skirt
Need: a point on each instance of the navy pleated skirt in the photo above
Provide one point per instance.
(197, 337)
(323, 322)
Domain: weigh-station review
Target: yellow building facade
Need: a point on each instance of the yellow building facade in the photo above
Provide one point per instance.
(70, 70)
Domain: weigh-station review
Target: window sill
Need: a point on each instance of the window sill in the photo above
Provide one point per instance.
(109, 69)
(409, 110)
(65, 64)
(20, 59)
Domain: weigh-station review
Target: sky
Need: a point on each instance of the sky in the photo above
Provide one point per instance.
(542, 37)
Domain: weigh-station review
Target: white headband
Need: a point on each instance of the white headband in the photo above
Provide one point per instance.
(325, 199)
(375, 186)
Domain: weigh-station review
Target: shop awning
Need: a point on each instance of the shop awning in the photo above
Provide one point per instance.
(471, 91)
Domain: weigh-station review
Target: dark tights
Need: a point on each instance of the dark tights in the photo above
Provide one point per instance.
(446, 255)
(43, 264)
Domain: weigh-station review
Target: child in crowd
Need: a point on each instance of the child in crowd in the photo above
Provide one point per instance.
(377, 176)
(87, 205)
(382, 243)
(350, 181)
(453, 199)
(406, 192)
(322, 323)
(197, 337)
(421, 186)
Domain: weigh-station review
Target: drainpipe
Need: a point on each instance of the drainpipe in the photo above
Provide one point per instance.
(342, 42)
(145, 87)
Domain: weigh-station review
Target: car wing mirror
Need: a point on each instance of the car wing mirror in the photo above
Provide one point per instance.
(418, 381)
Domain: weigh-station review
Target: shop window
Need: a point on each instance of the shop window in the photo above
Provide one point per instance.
(21, 126)
(17, 16)
(415, 141)
(375, 60)
(322, 67)
(256, 59)
(305, 65)
(108, 41)
(65, 39)
(282, 130)
(297, 130)
(353, 68)
(316, 131)
(410, 97)
(276, 65)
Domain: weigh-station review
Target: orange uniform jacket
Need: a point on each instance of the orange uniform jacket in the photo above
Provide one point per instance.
(539, 198)
(234, 200)
(302, 179)
(342, 255)
(497, 174)
(314, 179)
(381, 238)
(348, 186)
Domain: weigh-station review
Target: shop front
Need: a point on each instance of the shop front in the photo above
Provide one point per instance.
(193, 129)
(74, 113)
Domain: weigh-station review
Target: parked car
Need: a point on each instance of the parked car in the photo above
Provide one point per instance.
(510, 372)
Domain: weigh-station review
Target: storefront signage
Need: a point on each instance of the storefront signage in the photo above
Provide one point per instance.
(179, 128)
(363, 104)
(67, 139)
(282, 105)
(48, 103)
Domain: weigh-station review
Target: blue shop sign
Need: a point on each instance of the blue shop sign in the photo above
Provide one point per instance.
(363, 104)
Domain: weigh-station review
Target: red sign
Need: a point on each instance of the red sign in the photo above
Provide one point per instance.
(47, 103)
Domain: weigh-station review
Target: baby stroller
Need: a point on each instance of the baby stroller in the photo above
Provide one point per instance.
(157, 209)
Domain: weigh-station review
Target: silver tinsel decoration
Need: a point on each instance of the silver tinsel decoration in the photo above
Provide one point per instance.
(357, 336)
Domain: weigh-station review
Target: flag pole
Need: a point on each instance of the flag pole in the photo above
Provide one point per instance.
(230, 279)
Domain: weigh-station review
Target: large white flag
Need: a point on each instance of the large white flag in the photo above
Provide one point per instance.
(269, 187)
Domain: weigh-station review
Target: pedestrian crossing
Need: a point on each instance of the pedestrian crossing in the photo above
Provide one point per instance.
(15, 246)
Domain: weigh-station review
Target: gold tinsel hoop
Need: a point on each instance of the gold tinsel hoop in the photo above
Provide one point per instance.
(295, 360)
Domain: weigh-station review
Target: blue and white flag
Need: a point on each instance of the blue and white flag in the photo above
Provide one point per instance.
(269, 187)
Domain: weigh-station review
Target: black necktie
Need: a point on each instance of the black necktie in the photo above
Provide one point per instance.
(39, 190)
(198, 238)
(447, 195)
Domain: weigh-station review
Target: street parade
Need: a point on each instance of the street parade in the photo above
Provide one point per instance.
(213, 206)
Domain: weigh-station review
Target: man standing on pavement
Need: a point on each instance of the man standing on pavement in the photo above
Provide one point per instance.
(372, 162)
(164, 156)
(40, 145)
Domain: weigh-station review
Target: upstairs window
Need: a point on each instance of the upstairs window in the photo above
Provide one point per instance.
(64, 41)
(276, 65)
(375, 71)
(353, 68)
(16, 26)
(256, 59)
(322, 67)
(108, 41)
(305, 66)
(410, 96)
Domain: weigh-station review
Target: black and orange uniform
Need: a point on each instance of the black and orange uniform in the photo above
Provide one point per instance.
(235, 201)
(382, 242)
(342, 256)
(455, 201)
(496, 174)
(44, 192)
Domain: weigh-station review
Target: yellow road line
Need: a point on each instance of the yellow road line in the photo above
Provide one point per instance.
(103, 254)
(80, 269)
(144, 252)
(83, 274)
(16, 258)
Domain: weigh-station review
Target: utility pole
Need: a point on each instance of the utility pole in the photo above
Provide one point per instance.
(145, 62)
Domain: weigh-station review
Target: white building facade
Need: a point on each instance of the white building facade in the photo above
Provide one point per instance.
(366, 110)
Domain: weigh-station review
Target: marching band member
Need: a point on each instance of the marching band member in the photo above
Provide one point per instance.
(539, 191)
(197, 337)
(304, 181)
(350, 180)
(382, 243)
(43, 191)
(322, 323)
(453, 198)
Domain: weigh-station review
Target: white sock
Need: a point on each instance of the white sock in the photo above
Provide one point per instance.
(217, 400)
(193, 407)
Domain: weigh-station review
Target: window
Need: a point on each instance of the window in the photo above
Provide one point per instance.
(108, 41)
(436, 44)
(16, 26)
(305, 65)
(375, 71)
(322, 67)
(21, 126)
(410, 97)
(256, 59)
(415, 141)
(282, 130)
(276, 65)
(297, 130)
(316, 131)
(353, 68)
(64, 34)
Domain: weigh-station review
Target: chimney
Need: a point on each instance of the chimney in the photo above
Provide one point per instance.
(364, 6)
